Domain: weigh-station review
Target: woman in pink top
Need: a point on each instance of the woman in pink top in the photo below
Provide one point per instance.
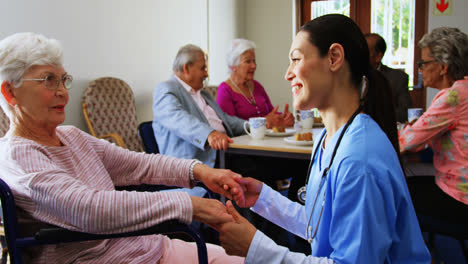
(242, 96)
(444, 126)
(62, 176)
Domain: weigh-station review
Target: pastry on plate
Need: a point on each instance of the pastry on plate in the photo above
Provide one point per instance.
(278, 129)
(303, 136)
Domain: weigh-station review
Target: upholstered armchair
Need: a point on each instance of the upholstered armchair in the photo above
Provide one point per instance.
(4, 123)
(212, 90)
(110, 112)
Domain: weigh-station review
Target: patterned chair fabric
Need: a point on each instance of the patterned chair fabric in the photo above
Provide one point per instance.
(109, 109)
(4, 123)
(212, 90)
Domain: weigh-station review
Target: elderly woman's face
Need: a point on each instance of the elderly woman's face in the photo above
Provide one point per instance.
(39, 105)
(430, 69)
(247, 66)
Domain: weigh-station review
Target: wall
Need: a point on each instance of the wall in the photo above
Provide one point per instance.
(226, 22)
(457, 19)
(269, 24)
(135, 42)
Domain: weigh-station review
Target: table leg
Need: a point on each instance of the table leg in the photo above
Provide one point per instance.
(222, 159)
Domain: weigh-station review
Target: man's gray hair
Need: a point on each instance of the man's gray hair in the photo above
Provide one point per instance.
(186, 55)
(19, 52)
(236, 49)
(448, 46)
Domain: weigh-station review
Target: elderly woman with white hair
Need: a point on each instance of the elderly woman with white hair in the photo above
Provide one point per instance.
(444, 127)
(242, 96)
(62, 176)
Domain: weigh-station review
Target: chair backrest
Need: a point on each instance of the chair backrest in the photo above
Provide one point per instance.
(56, 235)
(212, 90)
(146, 132)
(110, 108)
(4, 123)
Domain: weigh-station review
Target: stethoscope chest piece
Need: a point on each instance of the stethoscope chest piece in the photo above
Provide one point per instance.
(301, 194)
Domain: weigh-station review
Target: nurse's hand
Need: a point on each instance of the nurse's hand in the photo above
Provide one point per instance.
(251, 188)
(236, 236)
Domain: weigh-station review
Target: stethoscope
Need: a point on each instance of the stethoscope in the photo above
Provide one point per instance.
(301, 193)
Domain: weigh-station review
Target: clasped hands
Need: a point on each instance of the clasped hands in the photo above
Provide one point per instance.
(275, 119)
(236, 232)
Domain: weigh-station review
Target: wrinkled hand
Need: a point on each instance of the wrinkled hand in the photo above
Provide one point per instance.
(218, 140)
(236, 236)
(288, 117)
(273, 119)
(252, 188)
(220, 181)
(209, 211)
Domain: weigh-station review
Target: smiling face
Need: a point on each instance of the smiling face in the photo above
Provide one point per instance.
(308, 73)
(38, 105)
(247, 66)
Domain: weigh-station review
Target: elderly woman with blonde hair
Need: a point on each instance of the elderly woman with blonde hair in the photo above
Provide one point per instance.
(242, 96)
(62, 176)
(444, 127)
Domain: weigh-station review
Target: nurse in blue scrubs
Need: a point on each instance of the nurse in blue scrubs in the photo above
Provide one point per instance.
(357, 206)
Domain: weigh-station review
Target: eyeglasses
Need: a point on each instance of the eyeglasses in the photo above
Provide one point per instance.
(421, 63)
(52, 82)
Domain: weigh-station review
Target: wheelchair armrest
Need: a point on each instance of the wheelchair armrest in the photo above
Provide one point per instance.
(58, 234)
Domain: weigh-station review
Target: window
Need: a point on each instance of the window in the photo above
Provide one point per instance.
(393, 20)
(320, 8)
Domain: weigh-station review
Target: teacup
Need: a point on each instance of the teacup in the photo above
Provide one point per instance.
(257, 127)
(414, 113)
(307, 118)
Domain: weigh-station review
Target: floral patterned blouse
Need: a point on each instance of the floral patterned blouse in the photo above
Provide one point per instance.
(444, 127)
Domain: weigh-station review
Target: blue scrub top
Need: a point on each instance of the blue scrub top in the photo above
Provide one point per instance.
(368, 216)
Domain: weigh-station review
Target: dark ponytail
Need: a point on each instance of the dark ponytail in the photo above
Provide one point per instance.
(334, 28)
(378, 103)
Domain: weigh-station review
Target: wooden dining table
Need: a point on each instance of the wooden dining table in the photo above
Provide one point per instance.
(269, 146)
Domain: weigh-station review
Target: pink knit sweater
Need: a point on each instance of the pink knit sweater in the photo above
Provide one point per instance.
(73, 187)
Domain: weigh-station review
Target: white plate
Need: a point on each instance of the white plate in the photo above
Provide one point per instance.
(292, 141)
(289, 132)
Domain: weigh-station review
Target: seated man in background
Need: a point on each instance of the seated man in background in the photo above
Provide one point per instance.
(398, 79)
(187, 121)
